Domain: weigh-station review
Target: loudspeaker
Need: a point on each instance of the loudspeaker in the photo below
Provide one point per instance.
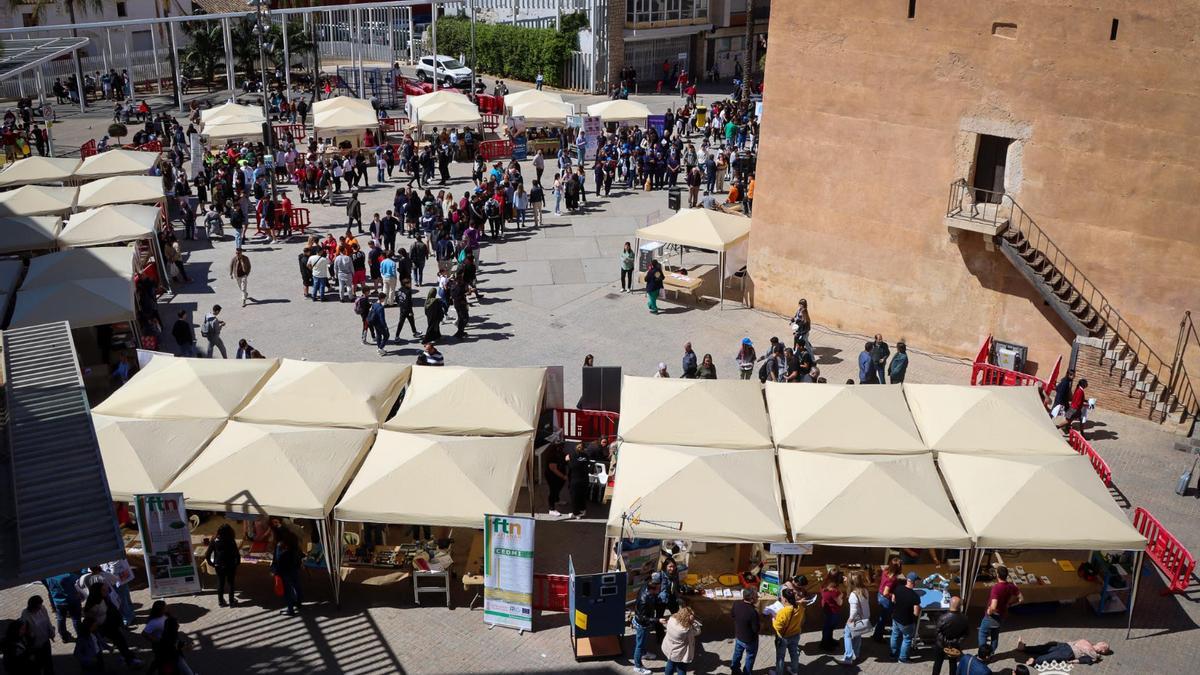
(268, 133)
(601, 389)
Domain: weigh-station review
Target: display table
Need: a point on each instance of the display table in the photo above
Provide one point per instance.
(689, 284)
(1062, 586)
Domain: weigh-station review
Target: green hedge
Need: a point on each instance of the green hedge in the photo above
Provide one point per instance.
(510, 51)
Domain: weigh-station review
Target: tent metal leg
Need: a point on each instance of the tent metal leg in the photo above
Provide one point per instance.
(1137, 577)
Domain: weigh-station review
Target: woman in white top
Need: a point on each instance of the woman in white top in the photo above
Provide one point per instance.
(859, 622)
(679, 643)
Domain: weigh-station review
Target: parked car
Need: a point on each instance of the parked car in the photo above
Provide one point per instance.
(450, 72)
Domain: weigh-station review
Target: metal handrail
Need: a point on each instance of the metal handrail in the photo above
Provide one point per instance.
(1003, 208)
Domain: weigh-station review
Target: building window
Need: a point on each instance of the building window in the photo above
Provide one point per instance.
(1112, 34)
(912, 9)
(121, 10)
(680, 12)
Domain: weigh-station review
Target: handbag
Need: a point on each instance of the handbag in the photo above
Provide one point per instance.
(860, 626)
(794, 326)
(278, 586)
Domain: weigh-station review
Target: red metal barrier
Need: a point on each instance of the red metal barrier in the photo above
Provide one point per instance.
(1168, 554)
(586, 425)
(491, 121)
(394, 123)
(987, 374)
(550, 592)
(301, 220)
(1080, 445)
(499, 149)
(87, 149)
(297, 130)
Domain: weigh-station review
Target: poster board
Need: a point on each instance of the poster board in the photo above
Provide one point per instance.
(520, 140)
(593, 129)
(657, 122)
(640, 559)
(508, 571)
(167, 541)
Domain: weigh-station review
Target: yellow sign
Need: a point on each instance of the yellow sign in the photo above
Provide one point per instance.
(580, 620)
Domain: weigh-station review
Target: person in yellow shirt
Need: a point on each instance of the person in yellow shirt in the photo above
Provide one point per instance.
(748, 202)
(788, 624)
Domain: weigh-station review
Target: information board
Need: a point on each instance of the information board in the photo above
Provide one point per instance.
(170, 564)
(508, 571)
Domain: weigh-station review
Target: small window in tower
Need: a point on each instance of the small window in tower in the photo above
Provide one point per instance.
(912, 9)
(121, 11)
(1112, 34)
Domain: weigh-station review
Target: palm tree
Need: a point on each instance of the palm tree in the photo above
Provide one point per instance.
(206, 51)
(39, 7)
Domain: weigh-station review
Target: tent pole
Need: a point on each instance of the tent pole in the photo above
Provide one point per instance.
(721, 280)
(1137, 576)
(529, 481)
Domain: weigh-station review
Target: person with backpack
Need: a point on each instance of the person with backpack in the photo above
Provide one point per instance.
(224, 557)
(65, 600)
(494, 212)
(362, 307)
(376, 321)
(210, 329)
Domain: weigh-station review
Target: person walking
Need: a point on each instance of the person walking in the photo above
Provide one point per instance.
(1077, 412)
(376, 321)
(537, 200)
(435, 311)
(1062, 394)
(679, 643)
(801, 326)
(184, 334)
(418, 253)
(645, 612)
(952, 629)
(899, 365)
(40, 632)
(906, 608)
(343, 267)
(462, 311)
(627, 259)
(354, 211)
(404, 301)
(1002, 596)
(654, 285)
(746, 358)
(64, 598)
(746, 622)
(691, 362)
(224, 557)
(707, 370)
(286, 566)
(788, 623)
(858, 623)
(239, 271)
(210, 329)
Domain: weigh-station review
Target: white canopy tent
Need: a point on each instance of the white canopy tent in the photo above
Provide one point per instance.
(28, 233)
(233, 130)
(620, 110)
(449, 114)
(448, 481)
(116, 162)
(79, 263)
(1038, 502)
(348, 394)
(338, 102)
(348, 116)
(842, 419)
(121, 190)
(110, 225)
(965, 419)
(544, 113)
(38, 200)
(838, 499)
(471, 401)
(232, 112)
(710, 413)
(38, 169)
(524, 96)
(181, 388)
(717, 495)
(263, 469)
(144, 455)
(80, 302)
(414, 104)
(726, 234)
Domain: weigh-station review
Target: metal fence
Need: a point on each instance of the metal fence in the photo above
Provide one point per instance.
(147, 65)
(577, 72)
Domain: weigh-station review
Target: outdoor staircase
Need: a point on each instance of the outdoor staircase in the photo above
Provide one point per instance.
(1108, 347)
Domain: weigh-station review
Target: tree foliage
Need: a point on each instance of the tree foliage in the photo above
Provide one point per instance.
(513, 51)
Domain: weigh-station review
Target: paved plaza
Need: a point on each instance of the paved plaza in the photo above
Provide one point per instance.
(549, 297)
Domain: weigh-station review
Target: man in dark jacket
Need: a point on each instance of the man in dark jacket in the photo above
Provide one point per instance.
(952, 628)
(879, 358)
(745, 632)
(647, 606)
(1062, 393)
(184, 334)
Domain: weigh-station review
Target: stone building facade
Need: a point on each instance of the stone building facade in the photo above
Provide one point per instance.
(873, 108)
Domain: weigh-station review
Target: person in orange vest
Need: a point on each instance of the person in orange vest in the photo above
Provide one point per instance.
(748, 202)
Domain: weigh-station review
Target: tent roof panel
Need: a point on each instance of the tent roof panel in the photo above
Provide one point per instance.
(117, 162)
(621, 110)
(80, 302)
(842, 418)
(327, 394)
(110, 225)
(960, 418)
(37, 169)
(120, 190)
(471, 401)
(530, 95)
(28, 233)
(77, 264)
(142, 455)
(38, 200)
(700, 228)
(169, 388)
(543, 112)
(709, 413)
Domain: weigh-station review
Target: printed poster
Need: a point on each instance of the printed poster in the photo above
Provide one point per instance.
(520, 142)
(593, 128)
(167, 542)
(508, 571)
(640, 557)
(657, 123)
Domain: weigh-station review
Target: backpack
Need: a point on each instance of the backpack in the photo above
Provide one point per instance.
(362, 306)
(206, 326)
(491, 209)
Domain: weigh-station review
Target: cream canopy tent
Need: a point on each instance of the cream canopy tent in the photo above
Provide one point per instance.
(471, 401)
(449, 114)
(79, 263)
(189, 388)
(232, 112)
(543, 113)
(38, 200)
(511, 101)
(621, 110)
(1044, 502)
(436, 480)
(121, 190)
(718, 495)
(116, 162)
(80, 302)
(725, 233)
(311, 393)
(349, 115)
(28, 233)
(842, 419)
(839, 500)
(110, 225)
(709, 413)
(38, 170)
(338, 102)
(414, 104)
(297, 472)
(143, 456)
(233, 130)
(1007, 420)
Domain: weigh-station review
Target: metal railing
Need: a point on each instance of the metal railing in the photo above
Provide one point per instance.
(996, 208)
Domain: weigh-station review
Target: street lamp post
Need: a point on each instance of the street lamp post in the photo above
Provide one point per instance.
(262, 7)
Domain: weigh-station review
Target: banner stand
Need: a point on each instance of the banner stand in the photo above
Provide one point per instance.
(508, 545)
